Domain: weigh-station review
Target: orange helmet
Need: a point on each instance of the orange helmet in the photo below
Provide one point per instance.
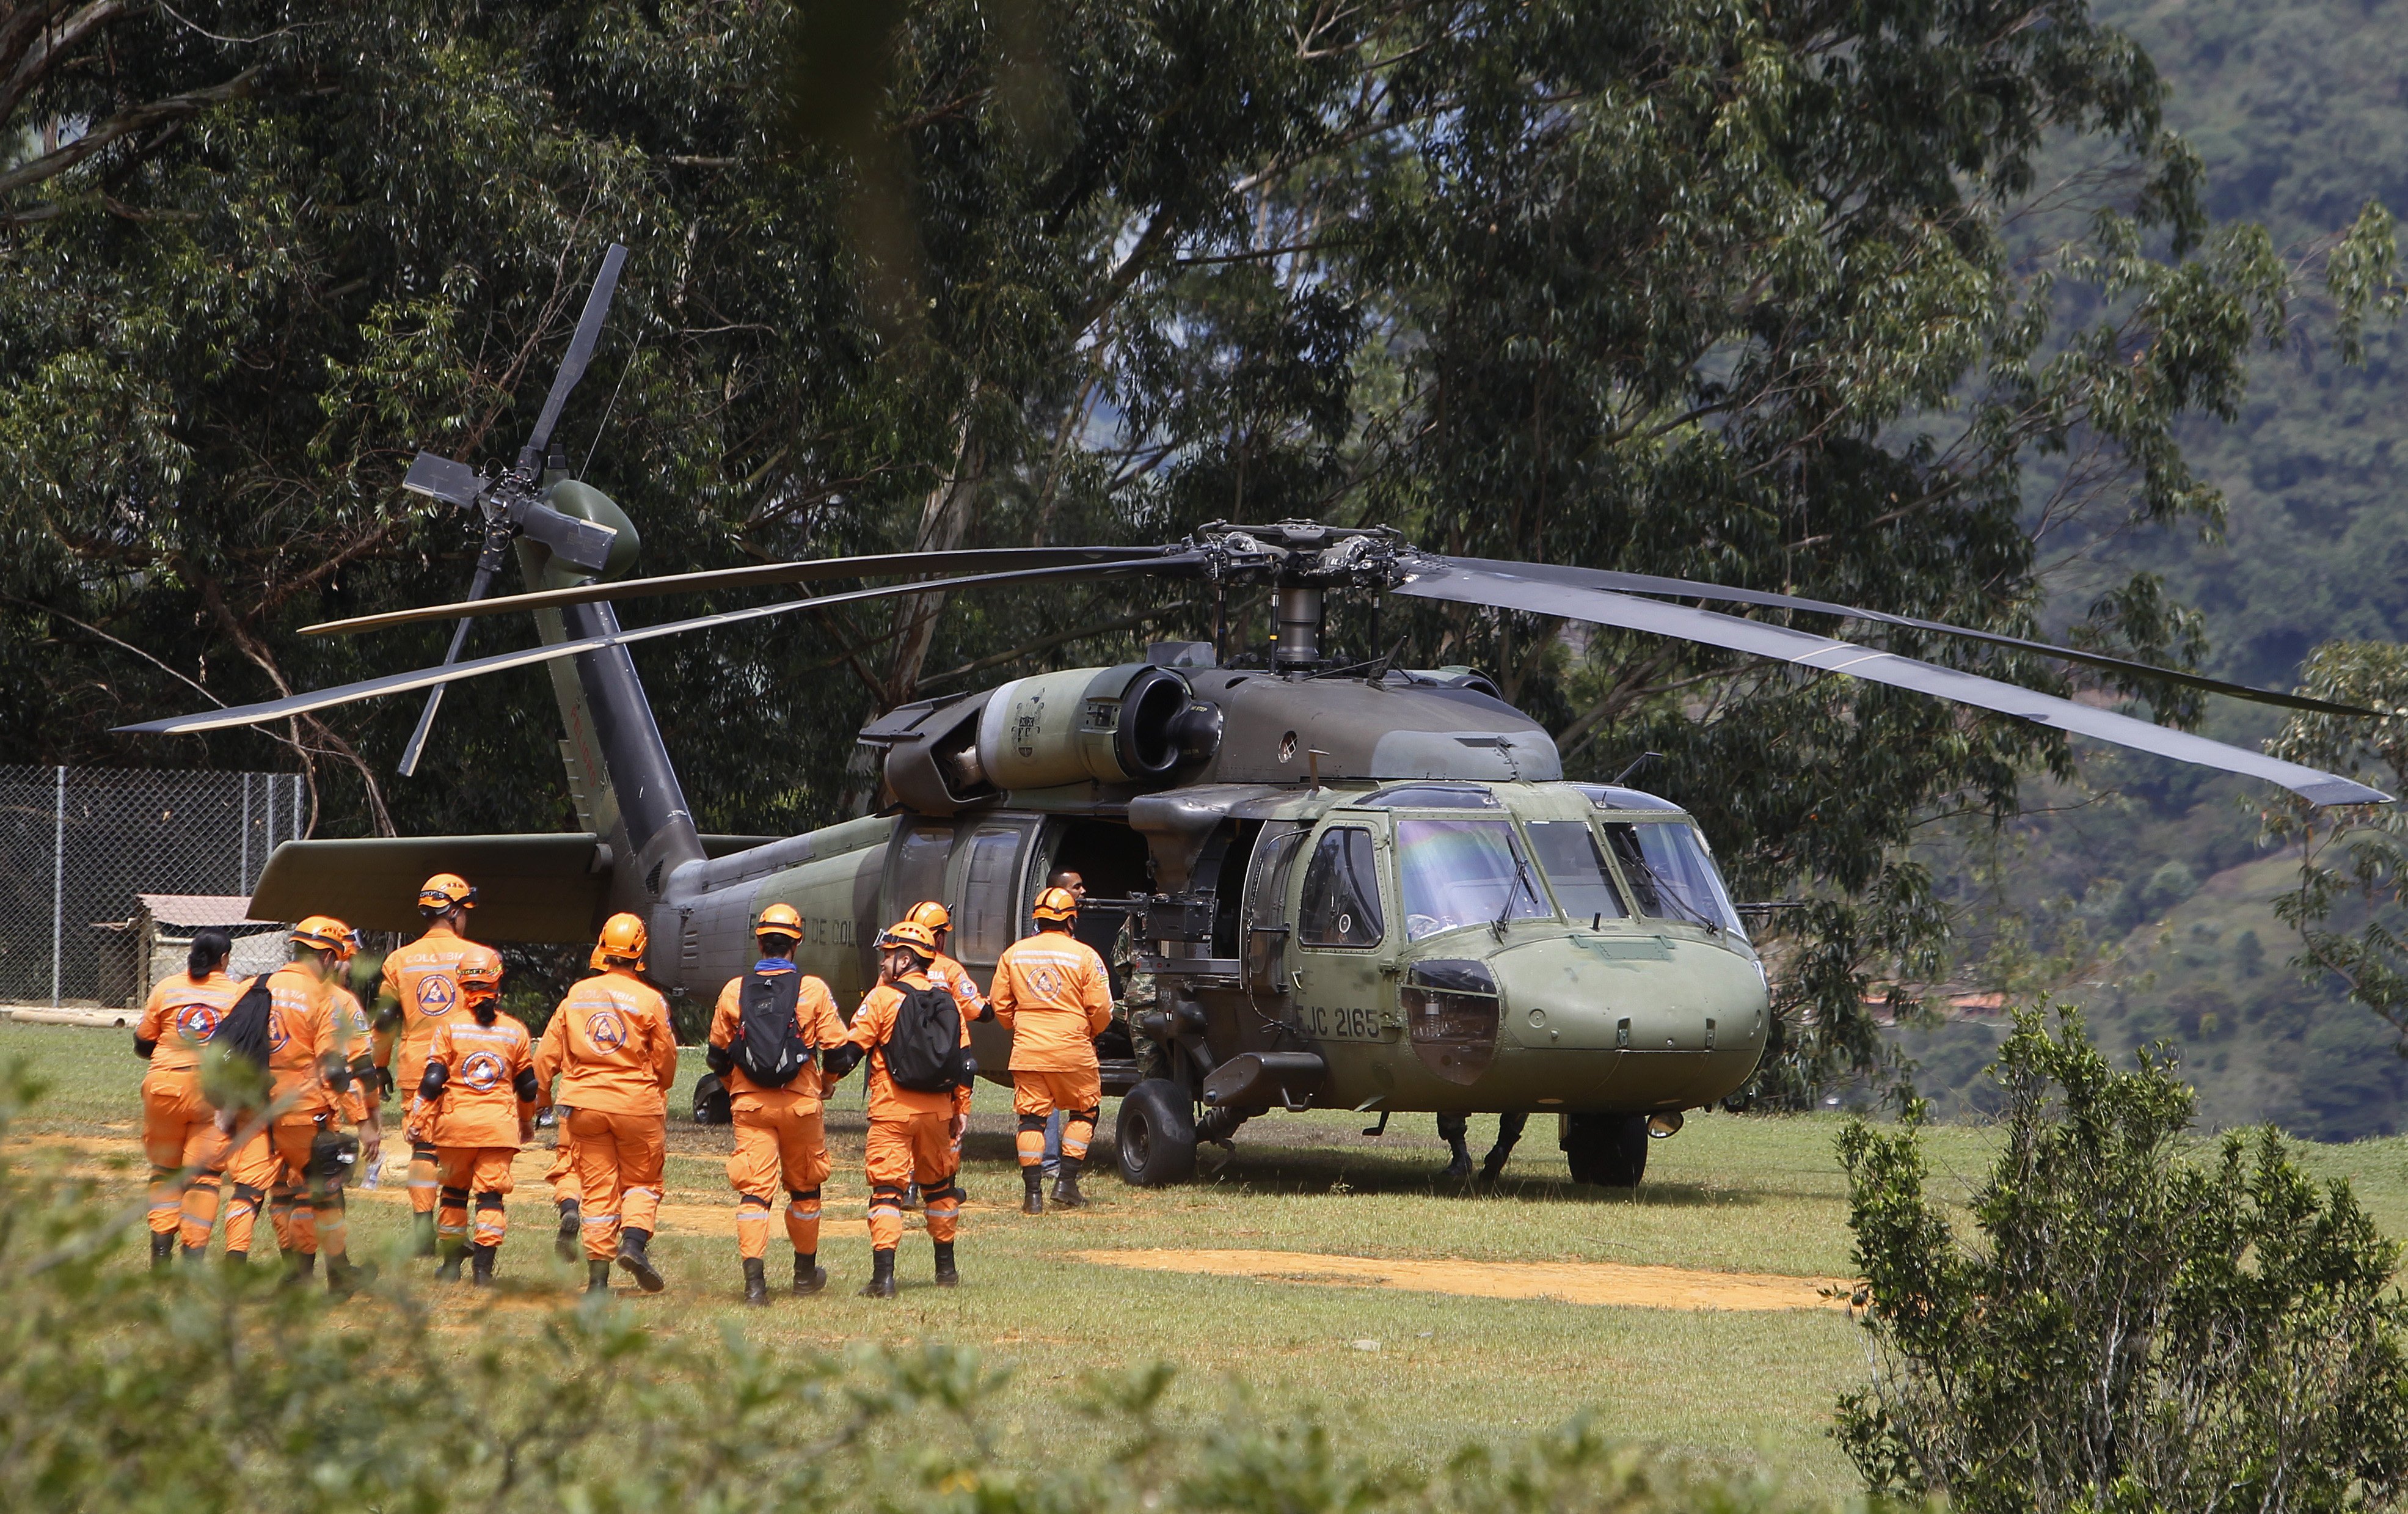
(621, 944)
(323, 933)
(1056, 904)
(932, 915)
(911, 935)
(778, 920)
(479, 980)
(446, 892)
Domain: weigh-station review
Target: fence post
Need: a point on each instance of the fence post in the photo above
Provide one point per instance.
(242, 867)
(58, 885)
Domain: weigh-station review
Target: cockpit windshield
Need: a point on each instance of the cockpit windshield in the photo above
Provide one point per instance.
(1672, 875)
(1459, 872)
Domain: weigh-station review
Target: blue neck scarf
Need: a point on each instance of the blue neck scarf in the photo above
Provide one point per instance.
(773, 965)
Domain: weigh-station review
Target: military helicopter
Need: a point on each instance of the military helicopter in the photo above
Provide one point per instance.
(1356, 886)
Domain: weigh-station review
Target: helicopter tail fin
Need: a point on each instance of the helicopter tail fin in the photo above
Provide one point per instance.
(620, 777)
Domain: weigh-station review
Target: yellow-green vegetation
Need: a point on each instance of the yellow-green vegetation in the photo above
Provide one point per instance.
(1758, 1194)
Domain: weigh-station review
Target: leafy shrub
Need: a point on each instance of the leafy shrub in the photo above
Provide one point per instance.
(206, 1390)
(2143, 1324)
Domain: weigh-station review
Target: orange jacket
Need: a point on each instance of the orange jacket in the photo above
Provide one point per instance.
(181, 1016)
(872, 1024)
(822, 1026)
(480, 1104)
(309, 1048)
(424, 978)
(611, 1044)
(956, 979)
(1051, 993)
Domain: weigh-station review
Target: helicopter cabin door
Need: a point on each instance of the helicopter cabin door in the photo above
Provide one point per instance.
(1265, 930)
(1343, 918)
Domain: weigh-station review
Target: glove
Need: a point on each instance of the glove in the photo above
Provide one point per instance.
(384, 1084)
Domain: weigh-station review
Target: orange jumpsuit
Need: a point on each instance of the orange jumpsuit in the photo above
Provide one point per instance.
(487, 1095)
(611, 1045)
(1052, 994)
(424, 980)
(313, 1065)
(779, 1134)
(911, 1133)
(179, 1130)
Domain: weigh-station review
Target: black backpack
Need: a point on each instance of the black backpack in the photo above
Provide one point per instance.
(241, 1040)
(925, 1051)
(768, 1043)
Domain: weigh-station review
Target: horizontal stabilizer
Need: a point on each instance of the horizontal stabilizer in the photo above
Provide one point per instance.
(528, 887)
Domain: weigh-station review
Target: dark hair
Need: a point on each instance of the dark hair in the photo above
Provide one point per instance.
(210, 948)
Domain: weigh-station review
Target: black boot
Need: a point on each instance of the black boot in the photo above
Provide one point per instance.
(162, 1250)
(422, 1235)
(1453, 1129)
(947, 1277)
(481, 1266)
(1032, 1199)
(453, 1255)
(193, 1255)
(1492, 1167)
(911, 1199)
(343, 1278)
(597, 1277)
(300, 1267)
(236, 1260)
(571, 1222)
(632, 1256)
(881, 1277)
(757, 1282)
(1065, 1184)
(810, 1277)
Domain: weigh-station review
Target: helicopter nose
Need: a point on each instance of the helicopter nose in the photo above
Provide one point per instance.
(1701, 1005)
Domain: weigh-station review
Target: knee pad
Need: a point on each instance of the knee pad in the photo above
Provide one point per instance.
(159, 1175)
(456, 1196)
(491, 1199)
(331, 1155)
(246, 1193)
(1033, 1122)
(1088, 1115)
(940, 1195)
(890, 1192)
(422, 1151)
(804, 1195)
(753, 1199)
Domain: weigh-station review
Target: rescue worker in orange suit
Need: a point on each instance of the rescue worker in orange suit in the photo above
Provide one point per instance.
(611, 1047)
(180, 1129)
(478, 1093)
(1051, 991)
(421, 986)
(287, 1196)
(911, 1130)
(779, 1140)
(315, 1086)
(956, 979)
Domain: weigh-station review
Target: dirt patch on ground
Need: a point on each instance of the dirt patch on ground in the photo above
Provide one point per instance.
(1572, 1282)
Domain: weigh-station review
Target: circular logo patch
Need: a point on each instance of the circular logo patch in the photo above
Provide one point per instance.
(196, 1023)
(605, 1029)
(1045, 981)
(482, 1071)
(437, 995)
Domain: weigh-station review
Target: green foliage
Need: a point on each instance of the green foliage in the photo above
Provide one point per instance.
(215, 1391)
(2140, 1325)
(1686, 288)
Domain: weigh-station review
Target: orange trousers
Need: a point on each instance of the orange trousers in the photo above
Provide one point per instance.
(619, 1163)
(562, 1173)
(482, 1172)
(187, 1153)
(1078, 1093)
(776, 1147)
(289, 1166)
(906, 1149)
(425, 1184)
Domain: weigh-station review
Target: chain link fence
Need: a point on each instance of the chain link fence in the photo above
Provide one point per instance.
(104, 873)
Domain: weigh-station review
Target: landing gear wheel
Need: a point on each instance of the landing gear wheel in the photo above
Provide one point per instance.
(1157, 1135)
(1610, 1150)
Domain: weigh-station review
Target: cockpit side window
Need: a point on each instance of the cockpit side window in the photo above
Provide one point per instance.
(1567, 855)
(1342, 891)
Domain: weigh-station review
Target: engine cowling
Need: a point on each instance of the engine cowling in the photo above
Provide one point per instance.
(1129, 724)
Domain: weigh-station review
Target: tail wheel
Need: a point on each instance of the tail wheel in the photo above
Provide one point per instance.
(1157, 1135)
(1610, 1150)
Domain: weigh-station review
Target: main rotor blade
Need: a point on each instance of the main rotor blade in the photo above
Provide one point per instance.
(489, 562)
(440, 478)
(1688, 588)
(995, 559)
(252, 714)
(580, 352)
(1436, 578)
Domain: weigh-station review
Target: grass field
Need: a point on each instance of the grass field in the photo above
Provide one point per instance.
(1729, 1193)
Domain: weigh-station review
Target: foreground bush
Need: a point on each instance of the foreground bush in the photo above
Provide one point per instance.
(204, 1391)
(2143, 1325)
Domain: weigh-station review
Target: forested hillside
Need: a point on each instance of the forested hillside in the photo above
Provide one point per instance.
(2155, 899)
